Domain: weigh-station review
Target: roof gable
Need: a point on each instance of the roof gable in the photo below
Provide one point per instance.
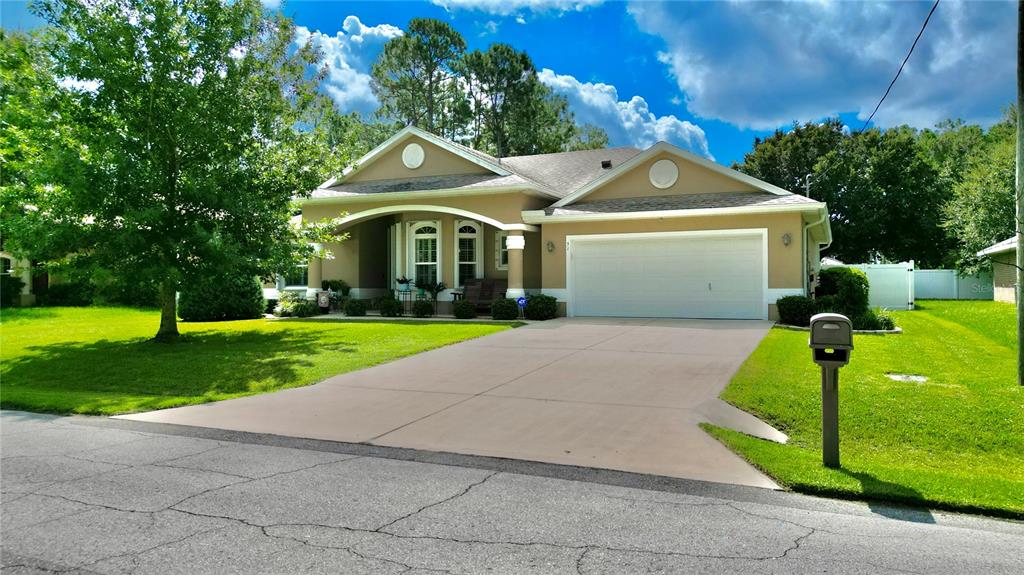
(696, 175)
(439, 157)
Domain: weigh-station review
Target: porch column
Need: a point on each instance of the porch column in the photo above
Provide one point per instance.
(315, 275)
(515, 244)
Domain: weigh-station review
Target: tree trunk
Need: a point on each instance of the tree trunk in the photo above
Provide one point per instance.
(168, 312)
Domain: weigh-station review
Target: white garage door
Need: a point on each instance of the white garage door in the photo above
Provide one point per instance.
(687, 275)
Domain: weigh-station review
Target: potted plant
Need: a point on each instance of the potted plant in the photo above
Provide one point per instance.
(434, 289)
(404, 283)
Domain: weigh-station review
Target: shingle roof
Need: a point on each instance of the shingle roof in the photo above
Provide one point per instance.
(680, 202)
(446, 182)
(566, 172)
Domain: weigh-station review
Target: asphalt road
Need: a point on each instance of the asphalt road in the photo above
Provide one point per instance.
(84, 495)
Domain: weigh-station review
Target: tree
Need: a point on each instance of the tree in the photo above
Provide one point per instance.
(588, 137)
(414, 77)
(981, 210)
(183, 154)
(786, 158)
(883, 197)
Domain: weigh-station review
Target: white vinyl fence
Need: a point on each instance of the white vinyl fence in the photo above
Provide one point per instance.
(896, 286)
(948, 284)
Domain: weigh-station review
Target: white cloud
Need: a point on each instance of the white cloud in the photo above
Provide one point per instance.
(762, 65)
(508, 7)
(520, 20)
(490, 27)
(627, 122)
(271, 4)
(348, 56)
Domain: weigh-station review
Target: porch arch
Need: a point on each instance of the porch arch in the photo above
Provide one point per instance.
(387, 210)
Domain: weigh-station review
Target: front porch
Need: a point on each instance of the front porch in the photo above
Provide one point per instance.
(428, 245)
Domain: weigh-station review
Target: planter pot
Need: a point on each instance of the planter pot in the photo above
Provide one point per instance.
(404, 287)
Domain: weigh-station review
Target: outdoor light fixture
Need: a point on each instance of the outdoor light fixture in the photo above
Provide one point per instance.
(550, 246)
(787, 239)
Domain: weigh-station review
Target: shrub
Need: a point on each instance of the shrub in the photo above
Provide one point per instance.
(541, 307)
(464, 309)
(873, 320)
(422, 308)
(72, 293)
(10, 288)
(505, 309)
(355, 307)
(339, 286)
(848, 286)
(271, 305)
(110, 288)
(295, 304)
(796, 310)
(221, 297)
(390, 307)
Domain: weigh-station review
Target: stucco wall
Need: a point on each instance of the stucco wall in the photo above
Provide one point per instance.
(436, 161)
(1004, 277)
(785, 265)
(693, 179)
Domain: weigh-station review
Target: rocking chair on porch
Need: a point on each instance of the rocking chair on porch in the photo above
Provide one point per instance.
(484, 292)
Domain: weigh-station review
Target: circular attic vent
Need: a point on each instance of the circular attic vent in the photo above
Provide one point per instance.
(663, 174)
(412, 156)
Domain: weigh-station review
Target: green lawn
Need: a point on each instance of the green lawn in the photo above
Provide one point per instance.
(954, 442)
(98, 360)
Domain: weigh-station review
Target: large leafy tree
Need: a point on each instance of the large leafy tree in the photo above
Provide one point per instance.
(884, 198)
(981, 210)
(786, 158)
(183, 154)
(415, 80)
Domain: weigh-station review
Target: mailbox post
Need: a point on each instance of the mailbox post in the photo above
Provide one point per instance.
(831, 342)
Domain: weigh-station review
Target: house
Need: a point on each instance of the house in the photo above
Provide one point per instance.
(1004, 269)
(658, 232)
(31, 283)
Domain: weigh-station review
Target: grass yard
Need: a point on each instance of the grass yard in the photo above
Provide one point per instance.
(97, 360)
(955, 442)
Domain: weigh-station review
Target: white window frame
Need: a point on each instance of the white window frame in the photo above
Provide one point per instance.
(286, 285)
(499, 246)
(478, 251)
(411, 247)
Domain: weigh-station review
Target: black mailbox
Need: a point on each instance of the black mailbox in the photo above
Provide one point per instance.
(831, 339)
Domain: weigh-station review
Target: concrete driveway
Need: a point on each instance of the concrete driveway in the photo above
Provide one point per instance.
(609, 393)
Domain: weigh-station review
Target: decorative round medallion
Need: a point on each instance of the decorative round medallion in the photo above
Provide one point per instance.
(412, 156)
(663, 174)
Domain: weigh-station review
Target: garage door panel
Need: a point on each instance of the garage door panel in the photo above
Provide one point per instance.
(677, 276)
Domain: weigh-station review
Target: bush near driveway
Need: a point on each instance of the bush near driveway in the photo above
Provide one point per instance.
(99, 360)
(954, 441)
(221, 297)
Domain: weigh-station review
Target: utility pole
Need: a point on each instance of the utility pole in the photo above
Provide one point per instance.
(1020, 193)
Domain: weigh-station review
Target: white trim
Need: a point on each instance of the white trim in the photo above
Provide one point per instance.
(1004, 246)
(656, 149)
(410, 248)
(478, 250)
(539, 217)
(405, 134)
(760, 232)
(515, 242)
(559, 294)
(386, 210)
(498, 235)
(413, 156)
(421, 194)
(775, 293)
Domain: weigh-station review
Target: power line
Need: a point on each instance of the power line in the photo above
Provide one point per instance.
(900, 71)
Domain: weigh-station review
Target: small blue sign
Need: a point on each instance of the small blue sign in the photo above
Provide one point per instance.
(521, 301)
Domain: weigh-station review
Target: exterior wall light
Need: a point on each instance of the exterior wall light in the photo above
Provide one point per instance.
(550, 246)
(787, 239)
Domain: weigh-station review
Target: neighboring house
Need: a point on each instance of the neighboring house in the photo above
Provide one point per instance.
(658, 232)
(21, 268)
(1004, 269)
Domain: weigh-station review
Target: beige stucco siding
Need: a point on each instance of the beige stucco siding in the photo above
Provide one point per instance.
(693, 179)
(1004, 276)
(436, 162)
(785, 265)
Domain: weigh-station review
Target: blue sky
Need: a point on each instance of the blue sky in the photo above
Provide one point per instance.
(709, 76)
